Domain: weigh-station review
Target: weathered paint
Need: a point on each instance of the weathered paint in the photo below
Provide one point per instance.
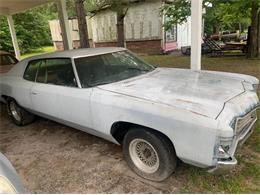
(199, 92)
(73, 24)
(193, 108)
(141, 22)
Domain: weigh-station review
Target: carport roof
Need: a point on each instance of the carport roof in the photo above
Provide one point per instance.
(10, 7)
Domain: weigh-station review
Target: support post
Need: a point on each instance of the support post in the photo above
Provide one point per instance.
(196, 22)
(13, 35)
(64, 23)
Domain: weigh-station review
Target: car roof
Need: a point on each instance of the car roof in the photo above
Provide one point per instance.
(75, 53)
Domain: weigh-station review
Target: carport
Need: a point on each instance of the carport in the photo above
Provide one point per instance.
(9, 8)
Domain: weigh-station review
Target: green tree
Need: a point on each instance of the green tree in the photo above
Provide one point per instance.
(32, 30)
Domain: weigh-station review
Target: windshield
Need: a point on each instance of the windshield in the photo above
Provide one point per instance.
(109, 68)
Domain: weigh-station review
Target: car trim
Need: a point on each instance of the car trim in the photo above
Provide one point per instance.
(97, 54)
(224, 165)
(85, 129)
(76, 73)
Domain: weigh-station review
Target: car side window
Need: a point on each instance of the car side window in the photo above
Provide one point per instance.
(41, 75)
(31, 70)
(57, 72)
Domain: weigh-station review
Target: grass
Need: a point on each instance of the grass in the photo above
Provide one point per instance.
(38, 52)
(246, 177)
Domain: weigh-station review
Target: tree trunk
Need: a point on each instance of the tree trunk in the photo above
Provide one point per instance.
(215, 29)
(120, 30)
(253, 51)
(83, 28)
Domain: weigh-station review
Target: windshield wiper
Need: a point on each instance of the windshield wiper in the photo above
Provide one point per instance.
(99, 83)
(139, 69)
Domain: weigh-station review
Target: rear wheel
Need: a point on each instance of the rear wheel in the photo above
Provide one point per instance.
(149, 154)
(19, 115)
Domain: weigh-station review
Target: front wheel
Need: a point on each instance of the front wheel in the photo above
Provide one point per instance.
(149, 154)
(19, 115)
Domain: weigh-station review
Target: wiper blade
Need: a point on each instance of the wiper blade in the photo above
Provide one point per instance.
(133, 68)
(99, 83)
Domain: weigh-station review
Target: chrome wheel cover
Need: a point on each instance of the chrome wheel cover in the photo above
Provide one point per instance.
(14, 111)
(144, 156)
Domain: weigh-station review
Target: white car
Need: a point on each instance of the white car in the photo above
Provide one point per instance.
(157, 114)
(10, 182)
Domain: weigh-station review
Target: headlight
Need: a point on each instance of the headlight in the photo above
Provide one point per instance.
(250, 87)
(6, 187)
(255, 87)
(223, 147)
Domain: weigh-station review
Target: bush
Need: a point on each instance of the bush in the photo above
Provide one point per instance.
(32, 31)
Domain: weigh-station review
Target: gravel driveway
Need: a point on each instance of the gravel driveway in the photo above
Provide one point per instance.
(52, 158)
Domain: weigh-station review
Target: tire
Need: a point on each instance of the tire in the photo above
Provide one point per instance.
(188, 52)
(149, 154)
(19, 115)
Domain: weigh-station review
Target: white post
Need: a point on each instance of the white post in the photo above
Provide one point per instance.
(13, 35)
(196, 22)
(64, 22)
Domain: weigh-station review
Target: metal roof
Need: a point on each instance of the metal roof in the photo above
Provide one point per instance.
(75, 53)
(10, 7)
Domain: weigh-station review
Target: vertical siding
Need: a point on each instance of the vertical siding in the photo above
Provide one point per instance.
(73, 24)
(184, 34)
(143, 21)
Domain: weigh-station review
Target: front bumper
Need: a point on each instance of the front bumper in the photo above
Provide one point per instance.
(222, 165)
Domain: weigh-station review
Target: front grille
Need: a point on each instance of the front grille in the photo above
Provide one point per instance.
(243, 123)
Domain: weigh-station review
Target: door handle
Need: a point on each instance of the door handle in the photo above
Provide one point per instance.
(34, 93)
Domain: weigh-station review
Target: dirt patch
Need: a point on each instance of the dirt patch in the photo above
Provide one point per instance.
(52, 158)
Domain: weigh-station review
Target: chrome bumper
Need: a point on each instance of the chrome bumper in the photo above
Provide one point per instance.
(223, 165)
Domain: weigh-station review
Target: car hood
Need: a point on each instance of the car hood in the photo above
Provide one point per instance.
(200, 92)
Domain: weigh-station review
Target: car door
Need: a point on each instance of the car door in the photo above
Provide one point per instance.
(74, 102)
(56, 93)
(44, 94)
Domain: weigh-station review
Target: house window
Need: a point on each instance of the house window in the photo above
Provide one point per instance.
(171, 34)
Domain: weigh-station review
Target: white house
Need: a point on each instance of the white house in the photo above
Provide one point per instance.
(144, 31)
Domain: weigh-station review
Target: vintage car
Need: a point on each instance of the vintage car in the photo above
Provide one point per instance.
(10, 182)
(159, 115)
(7, 61)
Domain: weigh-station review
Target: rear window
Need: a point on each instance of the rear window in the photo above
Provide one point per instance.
(7, 59)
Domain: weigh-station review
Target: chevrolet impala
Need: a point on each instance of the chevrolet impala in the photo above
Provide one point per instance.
(159, 115)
